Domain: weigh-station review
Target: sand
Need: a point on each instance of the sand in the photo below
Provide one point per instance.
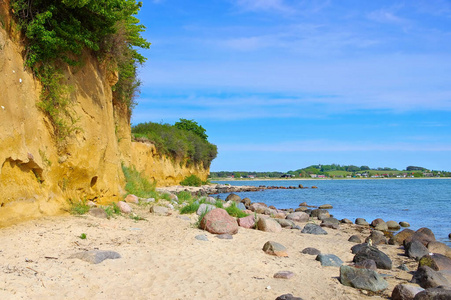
(161, 259)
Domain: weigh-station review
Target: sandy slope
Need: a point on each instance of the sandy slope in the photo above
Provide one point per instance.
(161, 259)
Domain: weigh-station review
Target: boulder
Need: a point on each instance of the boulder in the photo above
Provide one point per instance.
(428, 278)
(303, 203)
(124, 207)
(437, 262)
(404, 224)
(225, 236)
(398, 239)
(276, 249)
(311, 251)
(160, 210)
(218, 221)
(325, 206)
(247, 222)
(329, 225)
(361, 222)
(405, 291)
(329, 260)
(288, 297)
(355, 239)
(356, 248)
(301, 208)
(259, 208)
(422, 237)
(440, 248)
(362, 279)
(427, 232)
(415, 249)
(313, 229)
(369, 252)
(345, 221)
(210, 200)
(377, 221)
(331, 220)
(246, 201)
(268, 225)
(377, 238)
(204, 208)
(233, 197)
(366, 264)
(298, 217)
(98, 213)
(241, 206)
(286, 223)
(439, 293)
(317, 213)
(392, 225)
(131, 199)
(96, 256)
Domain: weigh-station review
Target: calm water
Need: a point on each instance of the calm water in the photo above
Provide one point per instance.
(421, 202)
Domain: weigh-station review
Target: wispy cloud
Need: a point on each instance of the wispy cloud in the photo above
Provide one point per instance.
(265, 5)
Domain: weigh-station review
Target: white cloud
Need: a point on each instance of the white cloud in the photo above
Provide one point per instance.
(265, 5)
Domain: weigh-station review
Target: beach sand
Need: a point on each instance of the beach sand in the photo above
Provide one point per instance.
(161, 259)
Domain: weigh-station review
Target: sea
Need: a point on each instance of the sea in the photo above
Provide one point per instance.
(420, 202)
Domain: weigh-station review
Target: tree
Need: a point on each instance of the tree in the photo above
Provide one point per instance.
(191, 125)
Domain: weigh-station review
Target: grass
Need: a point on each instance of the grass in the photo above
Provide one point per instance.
(199, 220)
(184, 196)
(234, 211)
(112, 210)
(83, 236)
(137, 184)
(190, 208)
(79, 207)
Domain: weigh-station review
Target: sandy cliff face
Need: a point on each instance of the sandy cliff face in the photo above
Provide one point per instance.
(38, 176)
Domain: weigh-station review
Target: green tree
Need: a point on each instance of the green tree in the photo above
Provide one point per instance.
(191, 125)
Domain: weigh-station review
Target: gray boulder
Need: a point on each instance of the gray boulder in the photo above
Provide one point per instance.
(434, 294)
(362, 279)
(415, 249)
(298, 216)
(392, 225)
(316, 213)
(313, 229)
(286, 223)
(329, 260)
(367, 264)
(428, 278)
(405, 292)
(380, 258)
(354, 239)
(311, 251)
(203, 208)
(273, 248)
(361, 222)
(377, 238)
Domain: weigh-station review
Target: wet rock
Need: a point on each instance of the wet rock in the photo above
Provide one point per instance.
(273, 248)
(362, 279)
(313, 229)
(405, 292)
(392, 225)
(298, 217)
(96, 256)
(325, 206)
(369, 252)
(131, 199)
(284, 275)
(246, 201)
(366, 264)
(428, 278)
(329, 260)
(439, 293)
(355, 239)
(98, 213)
(268, 225)
(377, 221)
(218, 221)
(124, 207)
(361, 222)
(311, 251)
(436, 262)
(247, 222)
(404, 224)
(398, 239)
(233, 197)
(415, 249)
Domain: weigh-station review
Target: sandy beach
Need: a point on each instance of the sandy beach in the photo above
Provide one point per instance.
(162, 259)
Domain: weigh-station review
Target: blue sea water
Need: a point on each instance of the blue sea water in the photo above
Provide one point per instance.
(421, 202)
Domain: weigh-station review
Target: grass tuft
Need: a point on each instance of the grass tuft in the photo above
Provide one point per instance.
(137, 184)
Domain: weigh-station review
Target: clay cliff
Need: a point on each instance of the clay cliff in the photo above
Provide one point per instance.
(37, 174)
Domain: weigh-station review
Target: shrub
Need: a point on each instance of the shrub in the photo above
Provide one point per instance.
(191, 180)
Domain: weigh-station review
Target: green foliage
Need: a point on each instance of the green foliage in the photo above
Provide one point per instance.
(190, 208)
(234, 211)
(83, 236)
(78, 207)
(177, 143)
(192, 126)
(199, 219)
(137, 184)
(191, 180)
(112, 210)
(184, 196)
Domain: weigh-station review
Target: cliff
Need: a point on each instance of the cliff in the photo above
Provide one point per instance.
(37, 175)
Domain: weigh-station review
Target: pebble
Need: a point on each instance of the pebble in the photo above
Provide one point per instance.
(284, 274)
(201, 237)
(225, 236)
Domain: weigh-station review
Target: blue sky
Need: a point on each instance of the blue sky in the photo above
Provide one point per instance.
(281, 85)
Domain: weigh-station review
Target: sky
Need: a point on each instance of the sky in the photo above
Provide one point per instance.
(281, 85)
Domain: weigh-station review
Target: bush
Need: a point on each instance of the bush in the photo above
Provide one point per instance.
(191, 180)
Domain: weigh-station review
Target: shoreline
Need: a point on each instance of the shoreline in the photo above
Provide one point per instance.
(321, 179)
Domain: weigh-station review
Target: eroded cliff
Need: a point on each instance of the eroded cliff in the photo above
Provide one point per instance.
(38, 175)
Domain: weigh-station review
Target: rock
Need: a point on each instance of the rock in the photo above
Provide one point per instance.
(274, 248)
(186, 218)
(98, 213)
(355, 239)
(376, 237)
(361, 222)
(377, 221)
(303, 203)
(148, 200)
(246, 202)
(331, 220)
(301, 208)
(405, 292)
(233, 197)
(201, 237)
(298, 217)
(403, 267)
(284, 274)
(427, 232)
(225, 236)
(415, 249)
(428, 278)
(204, 208)
(404, 224)
(313, 229)
(392, 225)
(329, 260)
(362, 279)
(369, 252)
(424, 238)
(311, 251)
(218, 221)
(124, 207)
(160, 210)
(366, 264)
(345, 221)
(286, 223)
(434, 294)
(329, 225)
(325, 206)
(381, 226)
(259, 208)
(316, 213)
(356, 248)
(288, 297)
(241, 206)
(247, 222)
(96, 256)
(268, 225)
(440, 248)
(436, 262)
(398, 239)
(131, 199)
